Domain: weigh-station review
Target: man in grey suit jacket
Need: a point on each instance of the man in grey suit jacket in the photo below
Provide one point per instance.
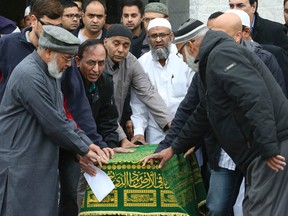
(127, 72)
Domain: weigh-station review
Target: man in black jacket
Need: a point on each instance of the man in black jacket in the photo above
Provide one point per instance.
(250, 123)
(263, 31)
(89, 64)
(225, 178)
(238, 27)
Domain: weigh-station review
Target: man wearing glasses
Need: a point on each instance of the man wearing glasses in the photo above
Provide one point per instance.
(33, 126)
(15, 47)
(71, 16)
(167, 73)
(154, 10)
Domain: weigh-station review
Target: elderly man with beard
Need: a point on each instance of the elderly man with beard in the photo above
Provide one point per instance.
(33, 125)
(167, 73)
(224, 180)
(240, 107)
(13, 49)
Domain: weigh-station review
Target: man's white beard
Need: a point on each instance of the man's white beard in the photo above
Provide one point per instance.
(53, 68)
(190, 61)
(161, 53)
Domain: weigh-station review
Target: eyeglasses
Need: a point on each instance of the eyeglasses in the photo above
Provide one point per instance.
(43, 23)
(72, 16)
(93, 63)
(67, 59)
(160, 35)
(179, 52)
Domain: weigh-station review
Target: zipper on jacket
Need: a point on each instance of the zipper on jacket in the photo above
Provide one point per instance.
(207, 108)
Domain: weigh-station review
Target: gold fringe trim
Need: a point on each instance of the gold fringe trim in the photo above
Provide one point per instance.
(123, 213)
(202, 203)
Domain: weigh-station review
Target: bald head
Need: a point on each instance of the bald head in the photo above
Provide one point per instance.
(230, 24)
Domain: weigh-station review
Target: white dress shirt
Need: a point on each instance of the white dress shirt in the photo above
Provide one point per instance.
(171, 81)
(225, 161)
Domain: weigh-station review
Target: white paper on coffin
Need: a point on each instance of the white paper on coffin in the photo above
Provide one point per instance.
(100, 184)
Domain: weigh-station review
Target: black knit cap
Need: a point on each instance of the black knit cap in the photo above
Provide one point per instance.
(119, 30)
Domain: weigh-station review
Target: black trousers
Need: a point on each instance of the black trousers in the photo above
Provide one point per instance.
(69, 172)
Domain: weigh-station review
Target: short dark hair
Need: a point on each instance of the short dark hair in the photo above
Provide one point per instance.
(130, 3)
(86, 3)
(68, 4)
(87, 43)
(215, 15)
(50, 8)
(252, 2)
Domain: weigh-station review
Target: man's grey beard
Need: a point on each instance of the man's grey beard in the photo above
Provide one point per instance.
(190, 61)
(53, 68)
(161, 53)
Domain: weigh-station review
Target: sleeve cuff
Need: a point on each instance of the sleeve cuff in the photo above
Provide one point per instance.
(139, 131)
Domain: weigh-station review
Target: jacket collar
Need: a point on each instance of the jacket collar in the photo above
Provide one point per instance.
(24, 39)
(210, 41)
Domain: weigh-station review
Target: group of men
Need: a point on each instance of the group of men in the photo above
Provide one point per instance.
(71, 89)
(82, 87)
(236, 90)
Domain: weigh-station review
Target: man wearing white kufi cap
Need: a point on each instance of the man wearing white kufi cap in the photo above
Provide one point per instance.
(159, 22)
(167, 73)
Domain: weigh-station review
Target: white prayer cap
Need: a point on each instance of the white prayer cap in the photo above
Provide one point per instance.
(27, 11)
(245, 19)
(159, 22)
